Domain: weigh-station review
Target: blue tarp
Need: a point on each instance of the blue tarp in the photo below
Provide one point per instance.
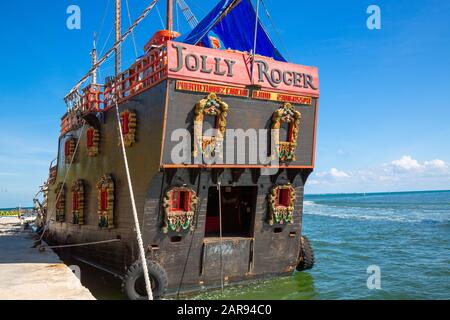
(235, 30)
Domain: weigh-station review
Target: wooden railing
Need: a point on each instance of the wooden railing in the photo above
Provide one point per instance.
(145, 73)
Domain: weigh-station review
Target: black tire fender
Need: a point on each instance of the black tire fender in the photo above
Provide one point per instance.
(133, 285)
(306, 259)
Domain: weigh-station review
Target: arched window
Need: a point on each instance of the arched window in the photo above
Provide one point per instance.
(60, 200)
(128, 123)
(282, 205)
(92, 141)
(180, 205)
(286, 127)
(69, 149)
(210, 113)
(105, 190)
(78, 202)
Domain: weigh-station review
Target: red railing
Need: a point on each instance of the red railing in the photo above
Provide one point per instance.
(92, 98)
(145, 73)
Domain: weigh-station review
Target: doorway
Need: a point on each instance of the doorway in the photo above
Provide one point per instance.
(238, 212)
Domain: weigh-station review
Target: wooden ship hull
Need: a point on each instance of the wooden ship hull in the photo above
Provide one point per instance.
(202, 224)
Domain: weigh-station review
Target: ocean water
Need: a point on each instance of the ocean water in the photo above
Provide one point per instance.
(407, 235)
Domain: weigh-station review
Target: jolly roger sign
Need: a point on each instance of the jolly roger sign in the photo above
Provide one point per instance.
(198, 63)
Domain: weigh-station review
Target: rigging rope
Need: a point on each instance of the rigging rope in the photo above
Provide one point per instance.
(110, 51)
(49, 215)
(276, 30)
(132, 33)
(160, 17)
(135, 214)
(100, 30)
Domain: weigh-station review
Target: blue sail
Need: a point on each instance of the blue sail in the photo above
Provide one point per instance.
(231, 25)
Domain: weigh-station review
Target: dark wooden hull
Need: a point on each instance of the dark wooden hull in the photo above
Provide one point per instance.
(191, 260)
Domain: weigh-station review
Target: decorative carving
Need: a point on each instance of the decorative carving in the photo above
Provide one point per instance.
(128, 121)
(93, 140)
(105, 199)
(286, 150)
(69, 150)
(60, 207)
(281, 211)
(211, 106)
(180, 206)
(78, 202)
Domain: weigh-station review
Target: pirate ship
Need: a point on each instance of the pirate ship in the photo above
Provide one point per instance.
(203, 223)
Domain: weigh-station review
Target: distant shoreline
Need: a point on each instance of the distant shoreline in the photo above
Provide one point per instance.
(374, 193)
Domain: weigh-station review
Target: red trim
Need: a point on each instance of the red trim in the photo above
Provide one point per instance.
(104, 200)
(90, 138)
(222, 166)
(283, 198)
(181, 201)
(124, 121)
(75, 201)
(67, 148)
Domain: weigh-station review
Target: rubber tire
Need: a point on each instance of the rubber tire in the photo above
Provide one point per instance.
(307, 259)
(158, 277)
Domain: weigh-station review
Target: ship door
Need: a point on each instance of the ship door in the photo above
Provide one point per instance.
(238, 218)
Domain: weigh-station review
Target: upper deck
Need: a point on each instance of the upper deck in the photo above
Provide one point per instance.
(273, 80)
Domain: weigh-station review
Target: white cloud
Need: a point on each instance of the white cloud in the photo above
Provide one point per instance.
(407, 163)
(436, 164)
(334, 173)
(403, 174)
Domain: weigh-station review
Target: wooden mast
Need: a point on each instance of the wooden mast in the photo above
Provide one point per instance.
(170, 15)
(94, 60)
(118, 36)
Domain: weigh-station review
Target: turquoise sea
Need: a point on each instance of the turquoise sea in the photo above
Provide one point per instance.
(406, 234)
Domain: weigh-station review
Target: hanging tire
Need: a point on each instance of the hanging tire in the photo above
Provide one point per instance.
(306, 260)
(133, 284)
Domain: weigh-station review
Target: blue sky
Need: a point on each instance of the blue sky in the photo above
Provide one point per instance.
(384, 110)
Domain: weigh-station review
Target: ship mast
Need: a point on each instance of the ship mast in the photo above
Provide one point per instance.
(170, 15)
(118, 36)
(94, 60)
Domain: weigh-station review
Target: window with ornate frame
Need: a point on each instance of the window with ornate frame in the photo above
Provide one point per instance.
(60, 194)
(78, 202)
(286, 150)
(282, 205)
(69, 149)
(210, 146)
(105, 200)
(128, 122)
(92, 141)
(180, 206)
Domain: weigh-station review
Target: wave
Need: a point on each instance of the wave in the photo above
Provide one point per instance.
(377, 214)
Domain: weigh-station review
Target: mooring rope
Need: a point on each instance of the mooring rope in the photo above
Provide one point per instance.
(80, 244)
(135, 214)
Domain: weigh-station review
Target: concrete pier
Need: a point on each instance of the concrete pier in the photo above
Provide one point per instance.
(27, 274)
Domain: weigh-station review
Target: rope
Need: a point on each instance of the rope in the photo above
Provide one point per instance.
(135, 214)
(276, 30)
(132, 32)
(160, 17)
(50, 214)
(255, 38)
(79, 244)
(219, 187)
